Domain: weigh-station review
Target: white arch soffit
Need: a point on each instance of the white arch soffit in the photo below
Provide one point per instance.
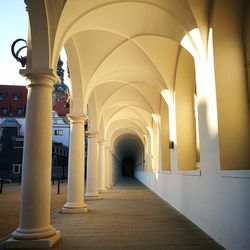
(124, 124)
(101, 129)
(124, 120)
(71, 29)
(134, 108)
(193, 43)
(162, 83)
(133, 140)
(154, 82)
(92, 113)
(118, 132)
(126, 84)
(127, 104)
(133, 85)
(124, 133)
(133, 113)
(76, 95)
(38, 41)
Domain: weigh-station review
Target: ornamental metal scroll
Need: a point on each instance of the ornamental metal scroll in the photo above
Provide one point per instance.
(21, 59)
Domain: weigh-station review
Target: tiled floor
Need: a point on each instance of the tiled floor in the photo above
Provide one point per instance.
(130, 216)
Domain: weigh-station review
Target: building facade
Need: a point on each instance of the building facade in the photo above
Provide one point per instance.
(13, 101)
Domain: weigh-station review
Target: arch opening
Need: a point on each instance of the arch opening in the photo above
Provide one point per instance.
(130, 152)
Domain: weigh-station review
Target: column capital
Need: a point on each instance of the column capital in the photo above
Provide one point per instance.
(92, 134)
(101, 141)
(40, 77)
(77, 118)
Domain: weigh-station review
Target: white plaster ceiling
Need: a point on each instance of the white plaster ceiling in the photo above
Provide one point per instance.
(124, 53)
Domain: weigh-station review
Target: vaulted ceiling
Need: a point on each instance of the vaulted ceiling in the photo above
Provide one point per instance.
(121, 54)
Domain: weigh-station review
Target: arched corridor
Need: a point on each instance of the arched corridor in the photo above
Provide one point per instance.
(163, 87)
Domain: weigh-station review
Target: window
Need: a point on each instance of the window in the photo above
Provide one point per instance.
(2, 95)
(15, 96)
(5, 110)
(19, 111)
(59, 132)
(17, 168)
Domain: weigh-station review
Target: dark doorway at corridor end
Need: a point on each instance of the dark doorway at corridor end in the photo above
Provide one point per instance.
(129, 156)
(128, 166)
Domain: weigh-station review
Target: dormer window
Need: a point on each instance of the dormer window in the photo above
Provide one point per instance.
(15, 96)
(2, 95)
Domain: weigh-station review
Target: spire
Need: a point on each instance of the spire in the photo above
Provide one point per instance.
(60, 70)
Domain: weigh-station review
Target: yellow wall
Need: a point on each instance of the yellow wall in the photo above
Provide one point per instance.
(164, 136)
(156, 145)
(185, 117)
(231, 85)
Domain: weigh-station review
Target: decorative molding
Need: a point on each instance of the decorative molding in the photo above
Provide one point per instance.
(245, 174)
(188, 172)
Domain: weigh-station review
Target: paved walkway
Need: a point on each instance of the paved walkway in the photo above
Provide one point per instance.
(10, 203)
(129, 216)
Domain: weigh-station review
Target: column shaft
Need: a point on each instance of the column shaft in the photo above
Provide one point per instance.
(75, 199)
(34, 227)
(107, 167)
(111, 168)
(101, 167)
(92, 167)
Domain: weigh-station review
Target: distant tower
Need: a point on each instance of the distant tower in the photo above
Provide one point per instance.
(61, 90)
(60, 70)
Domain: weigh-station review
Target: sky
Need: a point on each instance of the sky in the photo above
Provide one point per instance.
(13, 25)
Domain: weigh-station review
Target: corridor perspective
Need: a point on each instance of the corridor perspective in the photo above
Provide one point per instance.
(160, 92)
(130, 216)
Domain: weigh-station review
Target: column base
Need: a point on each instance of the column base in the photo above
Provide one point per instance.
(71, 208)
(66, 210)
(103, 190)
(32, 244)
(92, 196)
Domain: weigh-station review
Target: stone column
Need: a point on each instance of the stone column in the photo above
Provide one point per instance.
(101, 167)
(35, 230)
(92, 167)
(75, 196)
(107, 174)
(111, 168)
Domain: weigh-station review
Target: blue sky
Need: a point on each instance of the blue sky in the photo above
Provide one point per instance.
(13, 25)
